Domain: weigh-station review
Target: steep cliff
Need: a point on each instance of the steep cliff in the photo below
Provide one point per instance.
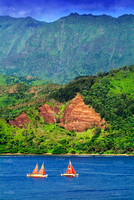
(20, 121)
(79, 117)
(49, 113)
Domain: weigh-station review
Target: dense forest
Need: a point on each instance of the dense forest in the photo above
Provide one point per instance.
(76, 45)
(111, 94)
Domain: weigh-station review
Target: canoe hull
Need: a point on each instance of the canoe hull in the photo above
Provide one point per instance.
(70, 175)
(37, 175)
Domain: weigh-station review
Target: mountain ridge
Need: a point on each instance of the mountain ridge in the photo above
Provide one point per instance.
(75, 45)
(71, 14)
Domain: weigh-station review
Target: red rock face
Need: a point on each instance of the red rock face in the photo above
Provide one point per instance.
(79, 117)
(11, 91)
(20, 121)
(32, 91)
(48, 112)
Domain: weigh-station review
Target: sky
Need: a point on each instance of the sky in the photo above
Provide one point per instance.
(51, 10)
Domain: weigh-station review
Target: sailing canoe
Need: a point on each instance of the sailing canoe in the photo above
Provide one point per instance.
(40, 174)
(70, 171)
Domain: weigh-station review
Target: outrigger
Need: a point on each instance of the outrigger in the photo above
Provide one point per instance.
(70, 171)
(40, 174)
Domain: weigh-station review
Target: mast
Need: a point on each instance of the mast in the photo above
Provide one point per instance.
(69, 169)
(42, 170)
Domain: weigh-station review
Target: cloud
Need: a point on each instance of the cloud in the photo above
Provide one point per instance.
(22, 13)
(119, 8)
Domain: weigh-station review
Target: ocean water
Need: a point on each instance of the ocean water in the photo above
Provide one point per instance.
(100, 178)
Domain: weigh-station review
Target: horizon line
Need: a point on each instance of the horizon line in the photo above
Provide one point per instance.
(72, 13)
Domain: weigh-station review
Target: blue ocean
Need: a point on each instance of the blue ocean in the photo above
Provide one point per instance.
(100, 178)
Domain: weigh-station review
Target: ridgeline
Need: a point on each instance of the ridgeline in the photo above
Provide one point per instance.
(76, 45)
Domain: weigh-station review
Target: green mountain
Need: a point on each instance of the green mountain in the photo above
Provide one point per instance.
(110, 94)
(76, 45)
(28, 80)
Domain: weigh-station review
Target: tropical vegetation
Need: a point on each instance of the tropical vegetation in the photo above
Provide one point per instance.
(76, 45)
(111, 94)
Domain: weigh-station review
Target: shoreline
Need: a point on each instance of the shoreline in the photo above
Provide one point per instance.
(69, 154)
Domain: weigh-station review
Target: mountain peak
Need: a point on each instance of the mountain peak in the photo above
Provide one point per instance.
(76, 45)
(74, 14)
(126, 18)
(79, 117)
